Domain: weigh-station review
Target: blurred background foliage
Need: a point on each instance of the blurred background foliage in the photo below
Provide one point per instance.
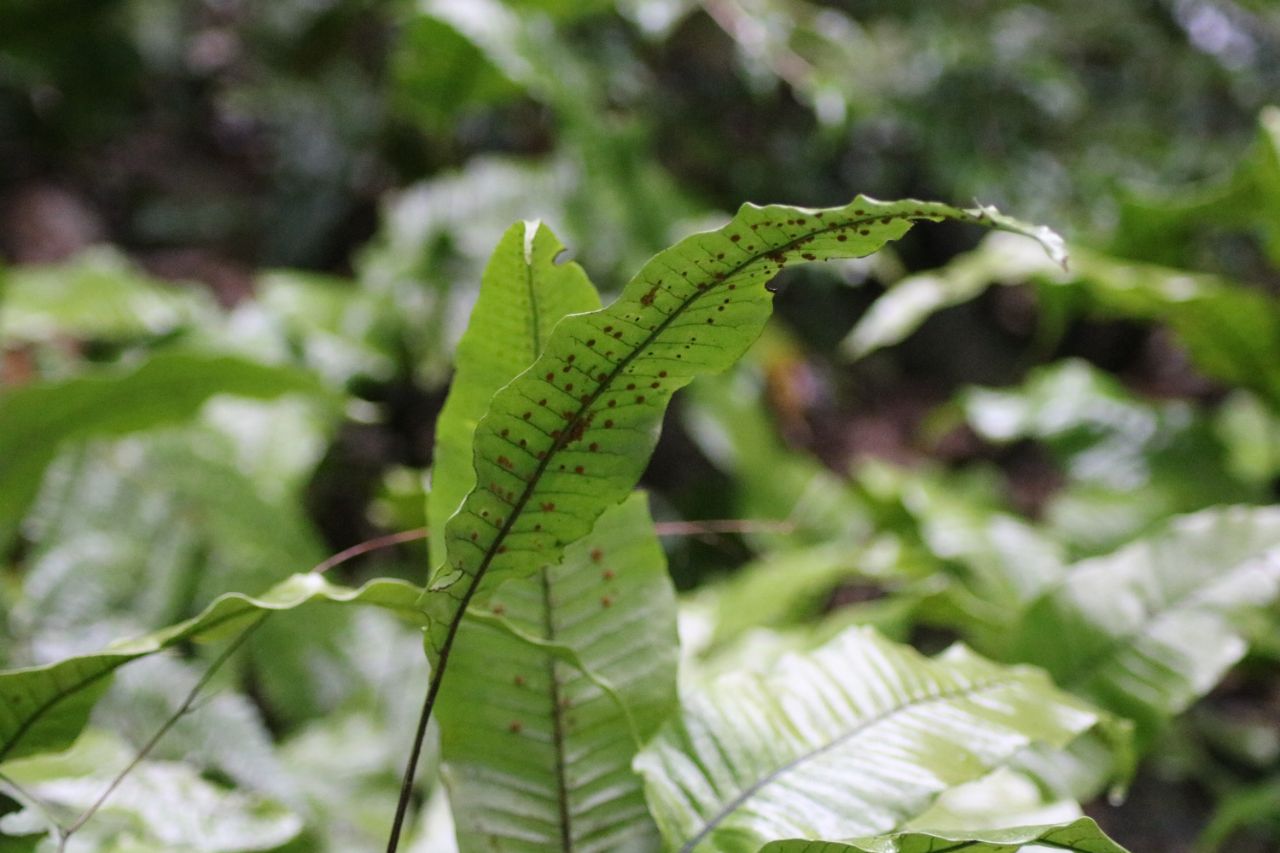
(241, 239)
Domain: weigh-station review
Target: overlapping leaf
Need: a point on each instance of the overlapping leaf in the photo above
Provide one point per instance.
(36, 420)
(550, 692)
(1080, 836)
(44, 708)
(850, 740)
(570, 436)
(1148, 629)
(538, 739)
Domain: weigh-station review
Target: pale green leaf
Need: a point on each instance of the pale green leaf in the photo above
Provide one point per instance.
(160, 807)
(36, 420)
(1080, 836)
(1147, 630)
(1232, 332)
(853, 739)
(44, 708)
(96, 295)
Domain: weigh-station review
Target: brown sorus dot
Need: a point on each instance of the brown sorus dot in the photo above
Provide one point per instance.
(593, 447)
(526, 415)
(606, 601)
(578, 469)
(608, 424)
(519, 679)
(548, 507)
(662, 374)
(505, 433)
(498, 609)
(515, 727)
(596, 555)
(608, 574)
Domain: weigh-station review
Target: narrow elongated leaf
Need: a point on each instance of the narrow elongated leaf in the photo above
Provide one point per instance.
(523, 294)
(44, 708)
(1080, 836)
(552, 689)
(849, 740)
(538, 752)
(1150, 628)
(571, 435)
(36, 419)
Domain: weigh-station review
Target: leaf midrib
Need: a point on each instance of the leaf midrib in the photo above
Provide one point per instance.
(750, 791)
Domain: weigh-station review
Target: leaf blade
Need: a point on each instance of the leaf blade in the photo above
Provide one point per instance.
(852, 739)
(46, 707)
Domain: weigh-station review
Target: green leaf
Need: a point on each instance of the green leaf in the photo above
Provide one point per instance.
(571, 435)
(1232, 332)
(538, 742)
(159, 806)
(1147, 630)
(523, 294)
(1081, 836)
(45, 708)
(36, 420)
(854, 738)
(97, 295)
(548, 700)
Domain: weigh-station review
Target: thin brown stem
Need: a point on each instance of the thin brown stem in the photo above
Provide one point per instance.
(151, 743)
